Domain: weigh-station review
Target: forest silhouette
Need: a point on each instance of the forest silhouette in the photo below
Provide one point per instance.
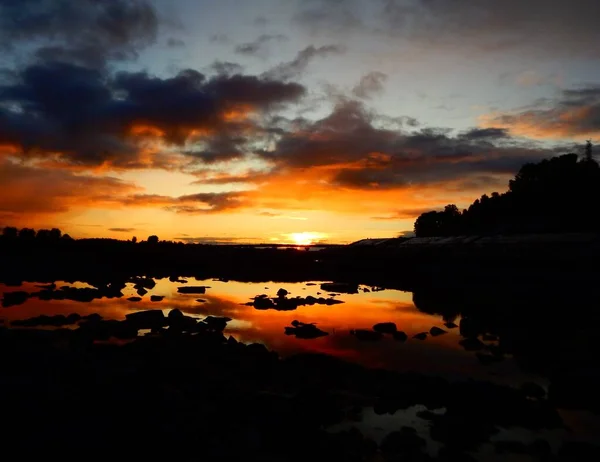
(556, 195)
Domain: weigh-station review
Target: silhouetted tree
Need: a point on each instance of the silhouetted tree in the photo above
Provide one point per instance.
(27, 234)
(153, 239)
(134, 239)
(589, 151)
(67, 238)
(10, 233)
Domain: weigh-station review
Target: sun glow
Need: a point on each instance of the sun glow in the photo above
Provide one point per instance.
(305, 238)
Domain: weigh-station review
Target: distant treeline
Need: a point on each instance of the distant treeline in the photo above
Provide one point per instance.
(558, 195)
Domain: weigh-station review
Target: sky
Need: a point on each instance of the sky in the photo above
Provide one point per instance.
(284, 121)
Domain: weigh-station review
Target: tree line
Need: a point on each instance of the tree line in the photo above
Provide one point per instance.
(561, 194)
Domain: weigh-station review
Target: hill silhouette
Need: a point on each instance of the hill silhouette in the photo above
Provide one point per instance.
(556, 195)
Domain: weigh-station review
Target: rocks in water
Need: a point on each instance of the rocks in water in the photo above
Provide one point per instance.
(385, 327)
(436, 331)
(450, 325)
(141, 291)
(43, 320)
(263, 302)
(305, 331)
(177, 279)
(366, 290)
(472, 344)
(201, 300)
(310, 284)
(156, 298)
(469, 328)
(282, 303)
(135, 299)
(282, 293)
(216, 323)
(192, 290)
(340, 287)
(14, 298)
(533, 390)
(403, 444)
(180, 322)
(400, 336)
(366, 335)
(421, 335)
(146, 283)
(150, 319)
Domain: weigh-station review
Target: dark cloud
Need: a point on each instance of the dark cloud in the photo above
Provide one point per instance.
(259, 46)
(350, 143)
(227, 68)
(574, 114)
(83, 31)
(370, 84)
(298, 65)
(175, 43)
(190, 204)
(222, 39)
(541, 27)
(88, 117)
(122, 230)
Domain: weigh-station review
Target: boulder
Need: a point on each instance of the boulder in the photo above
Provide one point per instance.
(141, 291)
(340, 287)
(282, 293)
(420, 336)
(469, 328)
(216, 323)
(400, 336)
(450, 325)
(150, 319)
(385, 327)
(156, 298)
(436, 331)
(135, 299)
(192, 290)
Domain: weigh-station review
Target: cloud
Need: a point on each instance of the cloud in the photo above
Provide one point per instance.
(122, 230)
(539, 28)
(30, 191)
(86, 31)
(370, 85)
(175, 43)
(190, 204)
(89, 117)
(297, 66)
(573, 114)
(227, 68)
(259, 46)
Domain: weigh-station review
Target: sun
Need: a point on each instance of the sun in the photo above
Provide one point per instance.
(303, 238)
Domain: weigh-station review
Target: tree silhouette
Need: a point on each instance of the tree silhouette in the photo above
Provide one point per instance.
(560, 194)
(153, 239)
(10, 233)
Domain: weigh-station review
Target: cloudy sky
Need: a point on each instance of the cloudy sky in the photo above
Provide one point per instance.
(257, 121)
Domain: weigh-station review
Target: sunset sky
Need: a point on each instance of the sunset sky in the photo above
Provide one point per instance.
(282, 120)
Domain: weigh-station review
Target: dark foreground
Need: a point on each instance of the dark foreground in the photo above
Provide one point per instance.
(188, 393)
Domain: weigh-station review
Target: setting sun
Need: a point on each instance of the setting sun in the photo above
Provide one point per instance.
(305, 238)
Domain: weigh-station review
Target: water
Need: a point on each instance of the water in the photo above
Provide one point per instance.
(440, 355)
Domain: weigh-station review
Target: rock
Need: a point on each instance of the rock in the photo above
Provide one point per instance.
(180, 322)
(400, 336)
(436, 331)
(175, 314)
(385, 327)
(469, 328)
(43, 320)
(472, 344)
(14, 298)
(146, 283)
(177, 279)
(310, 284)
(450, 325)
(151, 319)
(366, 290)
(533, 390)
(216, 323)
(135, 299)
(282, 293)
(192, 290)
(305, 331)
(262, 302)
(403, 443)
(341, 287)
(141, 291)
(367, 335)
(201, 300)
(420, 336)
(92, 317)
(156, 298)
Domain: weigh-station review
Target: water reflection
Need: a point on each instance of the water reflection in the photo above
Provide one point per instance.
(437, 354)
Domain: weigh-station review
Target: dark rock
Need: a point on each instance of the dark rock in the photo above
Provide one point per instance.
(156, 298)
(43, 320)
(14, 298)
(201, 300)
(436, 331)
(385, 327)
(310, 284)
(341, 287)
(365, 290)
(192, 290)
(135, 299)
(216, 323)
(367, 335)
(420, 336)
(92, 317)
(262, 302)
(533, 390)
(146, 283)
(400, 336)
(305, 331)
(450, 325)
(141, 291)
(403, 443)
(472, 344)
(282, 293)
(177, 279)
(469, 328)
(151, 319)
(510, 447)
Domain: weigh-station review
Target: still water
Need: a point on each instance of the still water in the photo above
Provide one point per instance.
(441, 355)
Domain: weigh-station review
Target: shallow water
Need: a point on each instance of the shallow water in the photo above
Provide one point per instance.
(440, 355)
